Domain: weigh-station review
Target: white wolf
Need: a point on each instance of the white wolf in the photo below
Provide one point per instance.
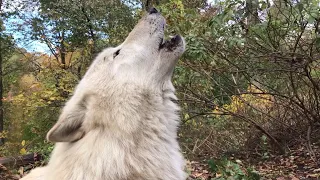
(121, 122)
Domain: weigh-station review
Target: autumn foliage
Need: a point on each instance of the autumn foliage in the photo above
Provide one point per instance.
(247, 84)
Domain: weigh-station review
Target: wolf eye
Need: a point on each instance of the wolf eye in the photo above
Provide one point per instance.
(116, 53)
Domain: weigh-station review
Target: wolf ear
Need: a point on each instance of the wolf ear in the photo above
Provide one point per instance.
(69, 125)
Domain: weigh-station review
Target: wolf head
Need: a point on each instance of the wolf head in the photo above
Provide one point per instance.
(144, 59)
(144, 55)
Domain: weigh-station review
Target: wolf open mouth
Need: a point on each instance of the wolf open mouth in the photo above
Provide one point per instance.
(171, 44)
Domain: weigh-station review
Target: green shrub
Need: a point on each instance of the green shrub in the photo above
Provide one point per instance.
(227, 169)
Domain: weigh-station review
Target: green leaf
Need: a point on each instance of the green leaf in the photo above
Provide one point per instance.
(213, 166)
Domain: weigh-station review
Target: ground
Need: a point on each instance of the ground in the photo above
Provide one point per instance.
(299, 163)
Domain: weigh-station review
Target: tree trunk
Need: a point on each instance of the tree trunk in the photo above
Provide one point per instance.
(91, 31)
(1, 75)
(63, 51)
(1, 94)
(17, 161)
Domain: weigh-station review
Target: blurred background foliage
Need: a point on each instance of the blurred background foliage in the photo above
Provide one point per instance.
(248, 82)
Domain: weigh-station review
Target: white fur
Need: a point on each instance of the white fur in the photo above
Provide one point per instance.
(121, 123)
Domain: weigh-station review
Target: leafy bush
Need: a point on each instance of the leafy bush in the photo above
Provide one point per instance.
(226, 169)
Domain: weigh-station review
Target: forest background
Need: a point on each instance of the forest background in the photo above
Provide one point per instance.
(248, 83)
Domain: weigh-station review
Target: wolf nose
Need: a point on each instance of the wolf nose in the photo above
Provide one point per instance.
(153, 11)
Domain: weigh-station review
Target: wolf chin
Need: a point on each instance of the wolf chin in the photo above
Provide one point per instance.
(121, 123)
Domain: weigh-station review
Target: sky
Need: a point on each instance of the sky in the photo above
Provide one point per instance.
(31, 45)
(34, 45)
(11, 25)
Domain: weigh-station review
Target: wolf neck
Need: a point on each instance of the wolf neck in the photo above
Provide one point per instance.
(132, 111)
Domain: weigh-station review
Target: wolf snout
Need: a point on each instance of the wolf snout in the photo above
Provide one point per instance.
(153, 11)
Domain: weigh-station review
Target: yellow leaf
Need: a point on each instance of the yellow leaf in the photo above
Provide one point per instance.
(23, 142)
(23, 151)
(218, 175)
(21, 169)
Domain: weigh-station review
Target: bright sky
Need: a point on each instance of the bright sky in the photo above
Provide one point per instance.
(31, 46)
(11, 25)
